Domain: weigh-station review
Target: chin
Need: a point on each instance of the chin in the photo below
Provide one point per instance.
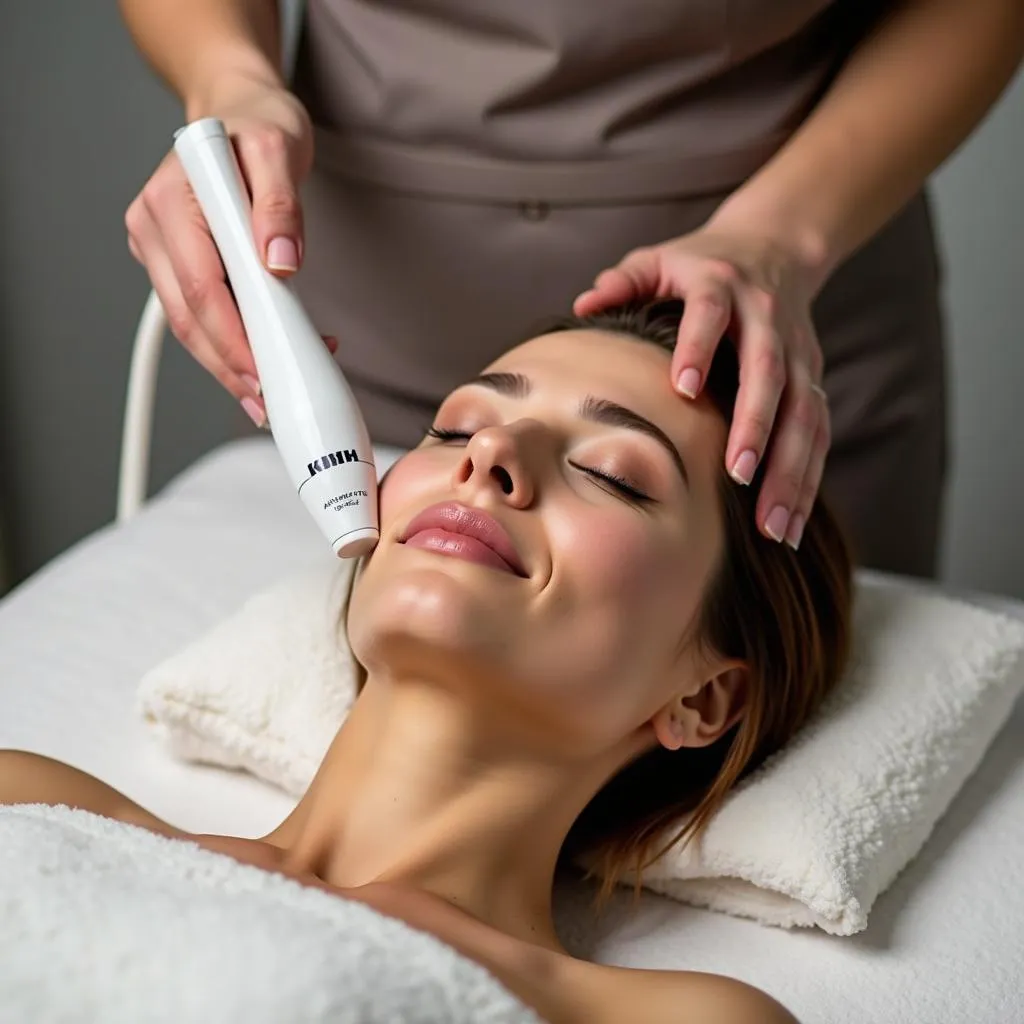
(428, 611)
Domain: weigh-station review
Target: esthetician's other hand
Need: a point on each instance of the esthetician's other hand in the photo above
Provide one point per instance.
(168, 234)
(760, 291)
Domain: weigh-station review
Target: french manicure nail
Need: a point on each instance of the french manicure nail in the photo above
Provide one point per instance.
(282, 254)
(252, 384)
(776, 523)
(744, 467)
(689, 382)
(795, 531)
(254, 412)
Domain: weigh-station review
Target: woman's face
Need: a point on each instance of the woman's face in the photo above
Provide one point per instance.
(598, 486)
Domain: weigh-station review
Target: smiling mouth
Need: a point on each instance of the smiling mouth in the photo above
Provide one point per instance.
(467, 533)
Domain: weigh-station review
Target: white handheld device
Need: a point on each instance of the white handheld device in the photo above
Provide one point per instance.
(313, 415)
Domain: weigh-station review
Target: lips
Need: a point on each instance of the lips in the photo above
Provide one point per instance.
(457, 530)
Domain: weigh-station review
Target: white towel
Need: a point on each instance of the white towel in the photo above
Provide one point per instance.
(102, 921)
(811, 838)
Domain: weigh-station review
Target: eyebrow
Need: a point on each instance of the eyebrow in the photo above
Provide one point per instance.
(593, 409)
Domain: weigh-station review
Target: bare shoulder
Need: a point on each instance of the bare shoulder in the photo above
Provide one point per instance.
(34, 779)
(683, 997)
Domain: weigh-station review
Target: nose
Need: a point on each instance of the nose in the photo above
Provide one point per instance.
(496, 459)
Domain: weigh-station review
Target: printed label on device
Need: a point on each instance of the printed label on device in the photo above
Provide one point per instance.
(348, 487)
(338, 458)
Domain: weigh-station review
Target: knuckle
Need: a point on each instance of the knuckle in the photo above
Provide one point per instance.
(806, 411)
(723, 271)
(279, 202)
(765, 302)
(770, 366)
(270, 142)
(182, 323)
(196, 291)
(155, 193)
(133, 217)
(635, 254)
(710, 304)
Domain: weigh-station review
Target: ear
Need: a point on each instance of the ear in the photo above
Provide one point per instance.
(698, 718)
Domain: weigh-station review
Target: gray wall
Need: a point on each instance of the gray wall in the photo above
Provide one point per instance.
(980, 200)
(82, 124)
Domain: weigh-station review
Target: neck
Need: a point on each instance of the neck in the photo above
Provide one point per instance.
(417, 789)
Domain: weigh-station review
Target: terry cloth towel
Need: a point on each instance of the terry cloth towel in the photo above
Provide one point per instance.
(811, 838)
(103, 921)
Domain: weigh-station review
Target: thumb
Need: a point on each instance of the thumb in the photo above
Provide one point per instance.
(276, 210)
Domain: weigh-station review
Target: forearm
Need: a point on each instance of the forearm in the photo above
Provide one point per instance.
(906, 98)
(193, 43)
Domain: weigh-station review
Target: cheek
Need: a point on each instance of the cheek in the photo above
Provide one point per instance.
(622, 599)
(610, 555)
(412, 477)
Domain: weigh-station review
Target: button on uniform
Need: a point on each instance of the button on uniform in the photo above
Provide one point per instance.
(534, 209)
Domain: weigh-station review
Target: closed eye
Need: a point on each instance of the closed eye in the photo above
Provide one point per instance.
(621, 485)
(616, 481)
(448, 435)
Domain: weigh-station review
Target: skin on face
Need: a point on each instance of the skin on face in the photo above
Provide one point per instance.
(586, 651)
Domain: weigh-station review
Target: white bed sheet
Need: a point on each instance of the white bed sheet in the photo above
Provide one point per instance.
(945, 943)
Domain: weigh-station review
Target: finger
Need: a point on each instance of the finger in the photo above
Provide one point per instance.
(763, 377)
(812, 479)
(277, 227)
(636, 276)
(331, 342)
(790, 455)
(183, 324)
(705, 318)
(185, 238)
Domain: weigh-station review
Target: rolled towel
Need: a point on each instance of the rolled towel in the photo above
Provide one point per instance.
(811, 838)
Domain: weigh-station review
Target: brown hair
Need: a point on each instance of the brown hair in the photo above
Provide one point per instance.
(785, 613)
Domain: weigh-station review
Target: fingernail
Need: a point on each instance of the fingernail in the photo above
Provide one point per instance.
(776, 523)
(795, 531)
(744, 468)
(254, 412)
(689, 382)
(282, 254)
(252, 384)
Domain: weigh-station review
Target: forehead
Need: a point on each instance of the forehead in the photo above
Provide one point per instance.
(569, 365)
(578, 355)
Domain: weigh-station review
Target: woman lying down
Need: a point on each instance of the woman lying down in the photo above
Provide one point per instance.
(574, 639)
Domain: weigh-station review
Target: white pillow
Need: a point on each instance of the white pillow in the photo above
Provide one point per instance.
(812, 837)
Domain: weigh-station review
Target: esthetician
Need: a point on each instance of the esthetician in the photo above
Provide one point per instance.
(469, 166)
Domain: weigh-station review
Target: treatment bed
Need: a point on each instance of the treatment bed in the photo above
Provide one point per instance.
(945, 943)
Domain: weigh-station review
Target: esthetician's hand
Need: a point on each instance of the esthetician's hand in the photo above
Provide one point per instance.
(168, 234)
(760, 291)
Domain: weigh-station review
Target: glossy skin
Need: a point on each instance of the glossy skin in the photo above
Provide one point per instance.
(500, 696)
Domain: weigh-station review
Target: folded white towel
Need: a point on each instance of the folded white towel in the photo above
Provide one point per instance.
(102, 921)
(811, 838)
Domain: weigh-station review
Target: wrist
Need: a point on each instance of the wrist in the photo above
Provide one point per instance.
(230, 77)
(786, 227)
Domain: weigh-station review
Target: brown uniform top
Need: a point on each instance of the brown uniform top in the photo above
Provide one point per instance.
(704, 90)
